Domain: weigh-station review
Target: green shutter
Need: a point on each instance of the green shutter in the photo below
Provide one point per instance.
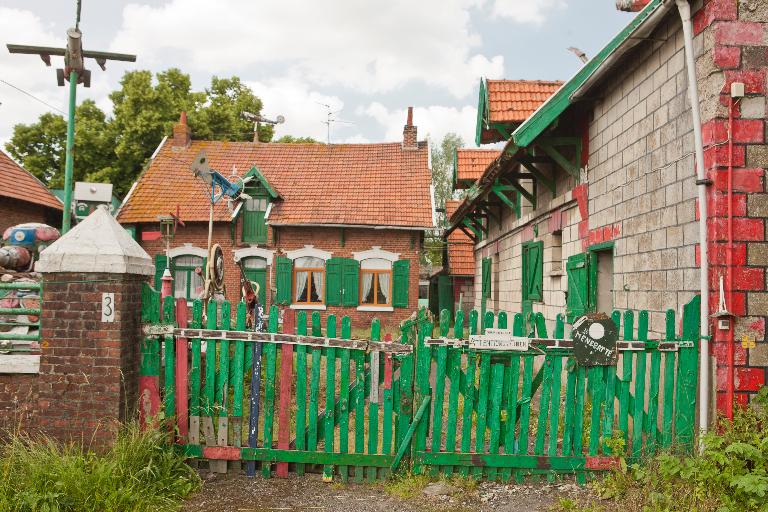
(350, 275)
(254, 227)
(400, 270)
(160, 264)
(576, 269)
(333, 269)
(486, 282)
(533, 271)
(283, 280)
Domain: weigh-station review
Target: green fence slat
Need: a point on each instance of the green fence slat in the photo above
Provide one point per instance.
(482, 408)
(169, 374)
(469, 405)
(497, 386)
(546, 394)
(652, 418)
(359, 357)
(638, 416)
(330, 396)
(346, 333)
(512, 383)
(609, 403)
(669, 384)
(569, 411)
(597, 393)
(423, 388)
(454, 376)
(373, 404)
(554, 415)
(270, 351)
(301, 388)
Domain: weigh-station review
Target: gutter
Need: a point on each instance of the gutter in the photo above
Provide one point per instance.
(363, 226)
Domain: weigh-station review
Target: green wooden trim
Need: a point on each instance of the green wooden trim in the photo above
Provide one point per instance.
(602, 246)
(468, 224)
(504, 129)
(256, 174)
(521, 190)
(403, 448)
(549, 182)
(570, 167)
(517, 461)
(561, 100)
(482, 111)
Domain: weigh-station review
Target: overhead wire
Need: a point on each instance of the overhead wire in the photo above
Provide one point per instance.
(9, 84)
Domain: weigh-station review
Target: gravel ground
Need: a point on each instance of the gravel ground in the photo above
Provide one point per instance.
(309, 493)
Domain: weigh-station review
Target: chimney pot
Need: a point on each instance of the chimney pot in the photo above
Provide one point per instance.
(182, 133)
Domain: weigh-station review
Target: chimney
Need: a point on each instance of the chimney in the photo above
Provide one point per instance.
(182, 134)
(631, 5)
(409, 132)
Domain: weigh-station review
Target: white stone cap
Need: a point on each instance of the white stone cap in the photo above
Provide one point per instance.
(98, 244)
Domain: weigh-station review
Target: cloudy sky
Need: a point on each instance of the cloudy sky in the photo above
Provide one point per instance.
(369, 60)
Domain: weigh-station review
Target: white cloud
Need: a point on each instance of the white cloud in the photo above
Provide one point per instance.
(526, 11)
(359, 45)
(304, 109)
(434, 121)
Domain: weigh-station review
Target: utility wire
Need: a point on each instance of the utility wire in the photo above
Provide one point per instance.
(32, 96)
(77, 20)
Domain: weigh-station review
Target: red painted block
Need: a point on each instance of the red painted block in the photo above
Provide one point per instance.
(714, 131)
(584, 229)
(748, 278)
(286, 378)
(748, 130)
(580, 193)
(150, 236)
(717, 156)
(556, 221)
(388, 364)
(713, 11)
(720, 351)
(221, 453)
(727, 57)
(717, 205)
(738, 33)
(744, 180)
(718, 253)
(598, 462)
(747, 229)
(750, 379)
(738, 304)
(754, 81)
(182, 374)
(758, 326)
(739, 399)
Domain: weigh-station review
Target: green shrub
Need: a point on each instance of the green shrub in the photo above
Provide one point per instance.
(141, 472)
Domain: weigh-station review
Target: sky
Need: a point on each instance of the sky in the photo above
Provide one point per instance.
(365, 61)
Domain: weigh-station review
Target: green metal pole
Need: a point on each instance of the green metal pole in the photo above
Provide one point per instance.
(65, 223)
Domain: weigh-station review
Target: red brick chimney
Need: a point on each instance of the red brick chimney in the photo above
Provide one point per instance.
(182, 133)
(409, 132)
(631, 5)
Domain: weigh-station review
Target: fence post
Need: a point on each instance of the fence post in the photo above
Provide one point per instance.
(687, 375)
(92, 289)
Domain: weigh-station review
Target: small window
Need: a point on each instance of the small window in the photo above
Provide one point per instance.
(376, 282)
(254, 224)
(309, 280)
(187, 282)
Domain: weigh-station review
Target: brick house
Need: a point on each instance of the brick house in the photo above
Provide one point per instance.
(336, 228)
(592, 204)
(23, 198)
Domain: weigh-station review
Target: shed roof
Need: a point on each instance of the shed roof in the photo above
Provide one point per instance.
(471, 163)
(18, 183)
(461, 252)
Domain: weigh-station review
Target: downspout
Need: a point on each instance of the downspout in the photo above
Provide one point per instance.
(702, 181)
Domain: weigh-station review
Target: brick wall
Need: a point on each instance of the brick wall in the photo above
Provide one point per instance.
(18, 401)
(732, 44)
(88, 369)
(13, 212)
(406, 243)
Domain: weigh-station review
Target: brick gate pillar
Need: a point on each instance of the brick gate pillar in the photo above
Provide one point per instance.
(90, 330)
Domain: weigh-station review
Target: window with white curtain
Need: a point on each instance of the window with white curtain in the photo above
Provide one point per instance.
(376, 282)
(308, 280)
(187, 283)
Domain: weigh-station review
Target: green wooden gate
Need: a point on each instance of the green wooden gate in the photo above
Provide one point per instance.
(304, 396)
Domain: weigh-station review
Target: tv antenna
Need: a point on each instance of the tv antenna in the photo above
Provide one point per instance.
(258, 119)
(329, 119)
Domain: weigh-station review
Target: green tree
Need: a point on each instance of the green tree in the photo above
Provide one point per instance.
(115, 149)
(290, 139)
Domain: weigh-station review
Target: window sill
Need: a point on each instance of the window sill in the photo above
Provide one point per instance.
(308, 307)
(375, 308)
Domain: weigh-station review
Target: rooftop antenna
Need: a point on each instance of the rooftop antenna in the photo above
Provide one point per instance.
(258, 119)
(75, 73)
(330, 119)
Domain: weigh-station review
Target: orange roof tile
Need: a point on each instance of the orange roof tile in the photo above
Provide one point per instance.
(349, 184)
(512, 101)
(471, 163)
(17, 183)
(461, 251)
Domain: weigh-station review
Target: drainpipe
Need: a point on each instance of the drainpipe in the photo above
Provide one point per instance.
(702, 181)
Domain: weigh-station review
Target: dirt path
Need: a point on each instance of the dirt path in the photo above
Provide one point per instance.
(309, 493)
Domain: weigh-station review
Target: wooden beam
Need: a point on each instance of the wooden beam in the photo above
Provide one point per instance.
(471, 226)
(504, 198)
(549, 148)
(471, 235)
(478, 225)
(525, 193)
(489, 213)
(550, 183)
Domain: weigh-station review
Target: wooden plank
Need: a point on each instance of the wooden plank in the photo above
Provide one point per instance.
(638, 416)
(438, 394)
(652, 418)
(269, 395)
(609, 374)
(687, 376)
(373, 400)
(626, 377)
(301, 389)
(403, 448)
(182, 375)
(238, 363)
(512, 382)
(454, 376)
(387, 403)
(525, 412)
(554, 414)
(194, 377)
(423, 389)
(314, 394)
(222, 379)
(570, 407)
(544, 463)
(210, 379)
(169, 373)
(256, 351)
(546, 394)
(469, 395)
(267, 455)
(578, 417)
(285, 400)
(346, 330)
(405, 385)
(597, 394)
(359, 358)
(330, 397)
(482, 409)
(497, 386)
(669, 385)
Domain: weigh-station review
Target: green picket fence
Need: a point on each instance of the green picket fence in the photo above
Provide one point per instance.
(308, 397)
(502, 415)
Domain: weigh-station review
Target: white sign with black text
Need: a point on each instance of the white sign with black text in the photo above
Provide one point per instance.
(499, 339)
(107, 307)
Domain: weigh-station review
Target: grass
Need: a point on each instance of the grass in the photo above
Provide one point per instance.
(410, 486)
(141, 472)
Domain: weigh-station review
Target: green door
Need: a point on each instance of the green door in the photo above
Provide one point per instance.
(254, 226)
(256, 272)
(445, 293)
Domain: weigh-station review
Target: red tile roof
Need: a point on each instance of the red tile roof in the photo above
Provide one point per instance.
(17, 183)
(350, 184)
(512, 101)
(461, 253)
(471, 163)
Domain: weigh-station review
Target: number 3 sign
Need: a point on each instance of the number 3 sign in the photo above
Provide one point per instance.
(107, 307)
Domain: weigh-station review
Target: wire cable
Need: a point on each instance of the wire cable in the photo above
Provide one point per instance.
(32, 96)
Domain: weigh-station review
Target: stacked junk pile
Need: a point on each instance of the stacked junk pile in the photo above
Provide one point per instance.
(20, 293)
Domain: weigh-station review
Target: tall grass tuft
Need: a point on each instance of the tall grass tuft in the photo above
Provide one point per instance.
(141, 472)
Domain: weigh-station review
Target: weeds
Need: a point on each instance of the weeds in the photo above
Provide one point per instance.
(141, 472)
(409, 486)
